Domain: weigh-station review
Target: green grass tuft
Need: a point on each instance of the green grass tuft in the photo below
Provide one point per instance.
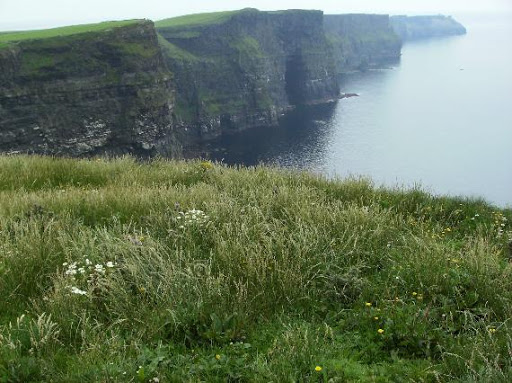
(116, 270)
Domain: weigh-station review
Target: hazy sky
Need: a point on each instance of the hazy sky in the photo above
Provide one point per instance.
(30, 14)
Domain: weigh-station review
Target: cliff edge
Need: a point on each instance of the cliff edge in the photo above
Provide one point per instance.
(150, 88)
(243, 69)
(360, 41)
(85, 90)
(419, 27)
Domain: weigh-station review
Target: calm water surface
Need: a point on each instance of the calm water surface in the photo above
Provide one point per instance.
(441, 118)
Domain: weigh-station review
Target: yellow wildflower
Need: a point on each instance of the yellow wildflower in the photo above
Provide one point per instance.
(318, 368)
(492, 330)
(375, 318)
(206, 165)
(217, 357)
(368, 304)
(380, 331)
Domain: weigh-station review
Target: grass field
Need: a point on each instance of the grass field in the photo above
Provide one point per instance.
(197, 19)
(9, 37)
(119, 271)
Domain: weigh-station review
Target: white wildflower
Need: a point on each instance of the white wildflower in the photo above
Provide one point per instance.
(192, 217)
(76, 290)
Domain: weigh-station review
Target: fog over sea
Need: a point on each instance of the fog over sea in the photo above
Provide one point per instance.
(440, 118)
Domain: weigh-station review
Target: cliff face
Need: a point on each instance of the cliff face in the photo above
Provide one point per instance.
(418, 27)
(125, 87)
(83, 94)
(361, 41)
(242, 69)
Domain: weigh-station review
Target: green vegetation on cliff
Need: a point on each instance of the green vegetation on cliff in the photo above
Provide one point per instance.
(135, 86)
(360, 41)
(87, 90)
(11, 37)
(199, 19)
(171, 50)
(83, 49)
(240, 69)
(120, 271)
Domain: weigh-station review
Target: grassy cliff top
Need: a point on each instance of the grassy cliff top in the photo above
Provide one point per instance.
(199, 272)
(204, 19)
(198, 19)
(8, 37)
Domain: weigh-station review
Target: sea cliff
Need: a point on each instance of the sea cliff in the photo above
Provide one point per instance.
(152, 88)
(235, 70)
(68, 92)
(360, 42)
(419, 27)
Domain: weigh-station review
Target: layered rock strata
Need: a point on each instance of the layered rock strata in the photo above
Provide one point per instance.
(244, 69)
(361, 41)
(86, 94)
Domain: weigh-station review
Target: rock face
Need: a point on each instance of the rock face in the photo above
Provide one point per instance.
(242, 69)
(87, 93)
(419, 27)
(361, 41)
(136, 87)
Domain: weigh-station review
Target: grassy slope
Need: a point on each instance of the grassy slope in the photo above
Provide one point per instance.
(287, 272)
(191, 26)
(174, 51)
(10, 37)
(188, 26)
(196, 19)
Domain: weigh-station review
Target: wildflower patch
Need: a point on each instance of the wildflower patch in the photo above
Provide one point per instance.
(82, 276)
(194, 217)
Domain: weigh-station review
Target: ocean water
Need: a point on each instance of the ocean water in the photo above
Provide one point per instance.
(441, 118)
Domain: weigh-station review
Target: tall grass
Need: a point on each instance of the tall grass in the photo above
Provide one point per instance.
(191, 271)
